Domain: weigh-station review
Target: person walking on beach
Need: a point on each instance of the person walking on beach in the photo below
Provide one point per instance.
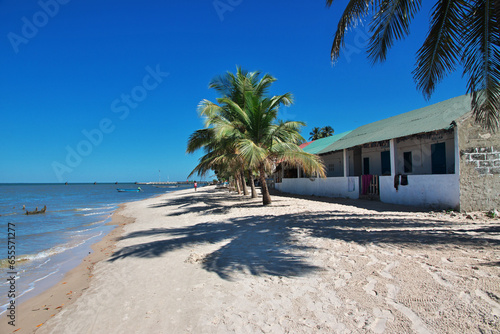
(195, 185)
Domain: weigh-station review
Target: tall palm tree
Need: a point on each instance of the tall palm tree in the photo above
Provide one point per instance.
(261, 140)
(461, 32)
(235, 86)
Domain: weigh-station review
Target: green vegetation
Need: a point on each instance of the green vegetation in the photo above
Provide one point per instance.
(461, 33)
(318, 133)
(242, 134)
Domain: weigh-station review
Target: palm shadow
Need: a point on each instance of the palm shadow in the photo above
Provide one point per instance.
(259, 246)
(268, 244)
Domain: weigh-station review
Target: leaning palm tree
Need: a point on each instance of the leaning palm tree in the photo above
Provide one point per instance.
(465, 33)
(261, 140)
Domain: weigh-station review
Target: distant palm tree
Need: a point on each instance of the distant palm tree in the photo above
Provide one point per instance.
(326, 131)
(318, 133)
(315, 133)
(465, 33)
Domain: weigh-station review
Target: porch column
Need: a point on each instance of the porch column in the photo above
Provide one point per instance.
(346, 163)
(298, 172)
(393, 157)
(457, 151)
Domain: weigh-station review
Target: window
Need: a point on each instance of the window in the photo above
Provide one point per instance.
(408, 162)
(331, 168)
(438, 158)
(366, 166)
(386, 162)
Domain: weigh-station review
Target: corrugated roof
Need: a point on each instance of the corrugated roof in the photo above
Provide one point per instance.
(435, 117)
(319, 144)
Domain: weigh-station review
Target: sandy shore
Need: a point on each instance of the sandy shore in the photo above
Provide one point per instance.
(213, 262)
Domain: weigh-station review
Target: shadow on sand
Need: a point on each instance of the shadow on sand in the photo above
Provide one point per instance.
(267, 244)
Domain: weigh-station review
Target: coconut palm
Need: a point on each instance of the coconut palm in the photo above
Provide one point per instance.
(465, 33)
(315, 133)
(261, 140)
(318, 133)
(234, 87)
(326, 131)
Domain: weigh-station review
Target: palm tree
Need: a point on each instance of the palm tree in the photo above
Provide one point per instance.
(234, 87)
(318, 133)
(260, 139)
(241, 129)
(315, 133)
(326, 131)
(465, 33)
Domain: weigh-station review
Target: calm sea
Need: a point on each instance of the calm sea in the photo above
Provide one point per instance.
(48, 245)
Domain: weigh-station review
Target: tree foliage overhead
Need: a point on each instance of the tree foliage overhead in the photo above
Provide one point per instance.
(465, 33)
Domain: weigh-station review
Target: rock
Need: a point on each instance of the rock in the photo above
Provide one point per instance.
(469, 217)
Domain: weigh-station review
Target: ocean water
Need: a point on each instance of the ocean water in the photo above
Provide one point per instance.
(48, 245)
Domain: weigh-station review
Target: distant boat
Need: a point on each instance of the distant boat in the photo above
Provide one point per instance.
(37, 211)
(124, 190)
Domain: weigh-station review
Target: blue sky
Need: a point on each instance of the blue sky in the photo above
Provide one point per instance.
(107, 91)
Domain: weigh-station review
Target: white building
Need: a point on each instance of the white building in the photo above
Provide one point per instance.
(433, 157)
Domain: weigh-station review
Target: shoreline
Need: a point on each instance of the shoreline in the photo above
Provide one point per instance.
(34, 312)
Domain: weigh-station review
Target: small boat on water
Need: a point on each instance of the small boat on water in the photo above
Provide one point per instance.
(37, 211)
(120, 190)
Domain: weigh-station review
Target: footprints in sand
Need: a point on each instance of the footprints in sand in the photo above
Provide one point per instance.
(370, 287)
(495, 306)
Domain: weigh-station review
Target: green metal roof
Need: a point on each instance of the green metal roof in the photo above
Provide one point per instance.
(435, 117)
(320, 144)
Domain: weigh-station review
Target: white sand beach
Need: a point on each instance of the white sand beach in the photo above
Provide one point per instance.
(214, 262)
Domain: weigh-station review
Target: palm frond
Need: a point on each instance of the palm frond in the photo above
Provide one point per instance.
(391, 22)
(441, 49)
(482, 62)
(353, 13)
(199, 139)
(252, 154)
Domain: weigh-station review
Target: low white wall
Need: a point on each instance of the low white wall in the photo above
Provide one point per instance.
(346, 187)
(433, 191)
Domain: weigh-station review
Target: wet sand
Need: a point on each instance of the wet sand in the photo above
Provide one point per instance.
(214, 262)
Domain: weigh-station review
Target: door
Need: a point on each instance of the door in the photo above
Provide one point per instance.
(438, 158)
(385, 157)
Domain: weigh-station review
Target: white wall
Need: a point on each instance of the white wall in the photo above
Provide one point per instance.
(433, 191)
(334, 163)
(374, 154)
(346, 187)
(420, 149)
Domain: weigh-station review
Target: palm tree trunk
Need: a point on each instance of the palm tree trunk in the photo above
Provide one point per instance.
(243, 183)
(237, 183)
(266, 198)
(252, 184)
